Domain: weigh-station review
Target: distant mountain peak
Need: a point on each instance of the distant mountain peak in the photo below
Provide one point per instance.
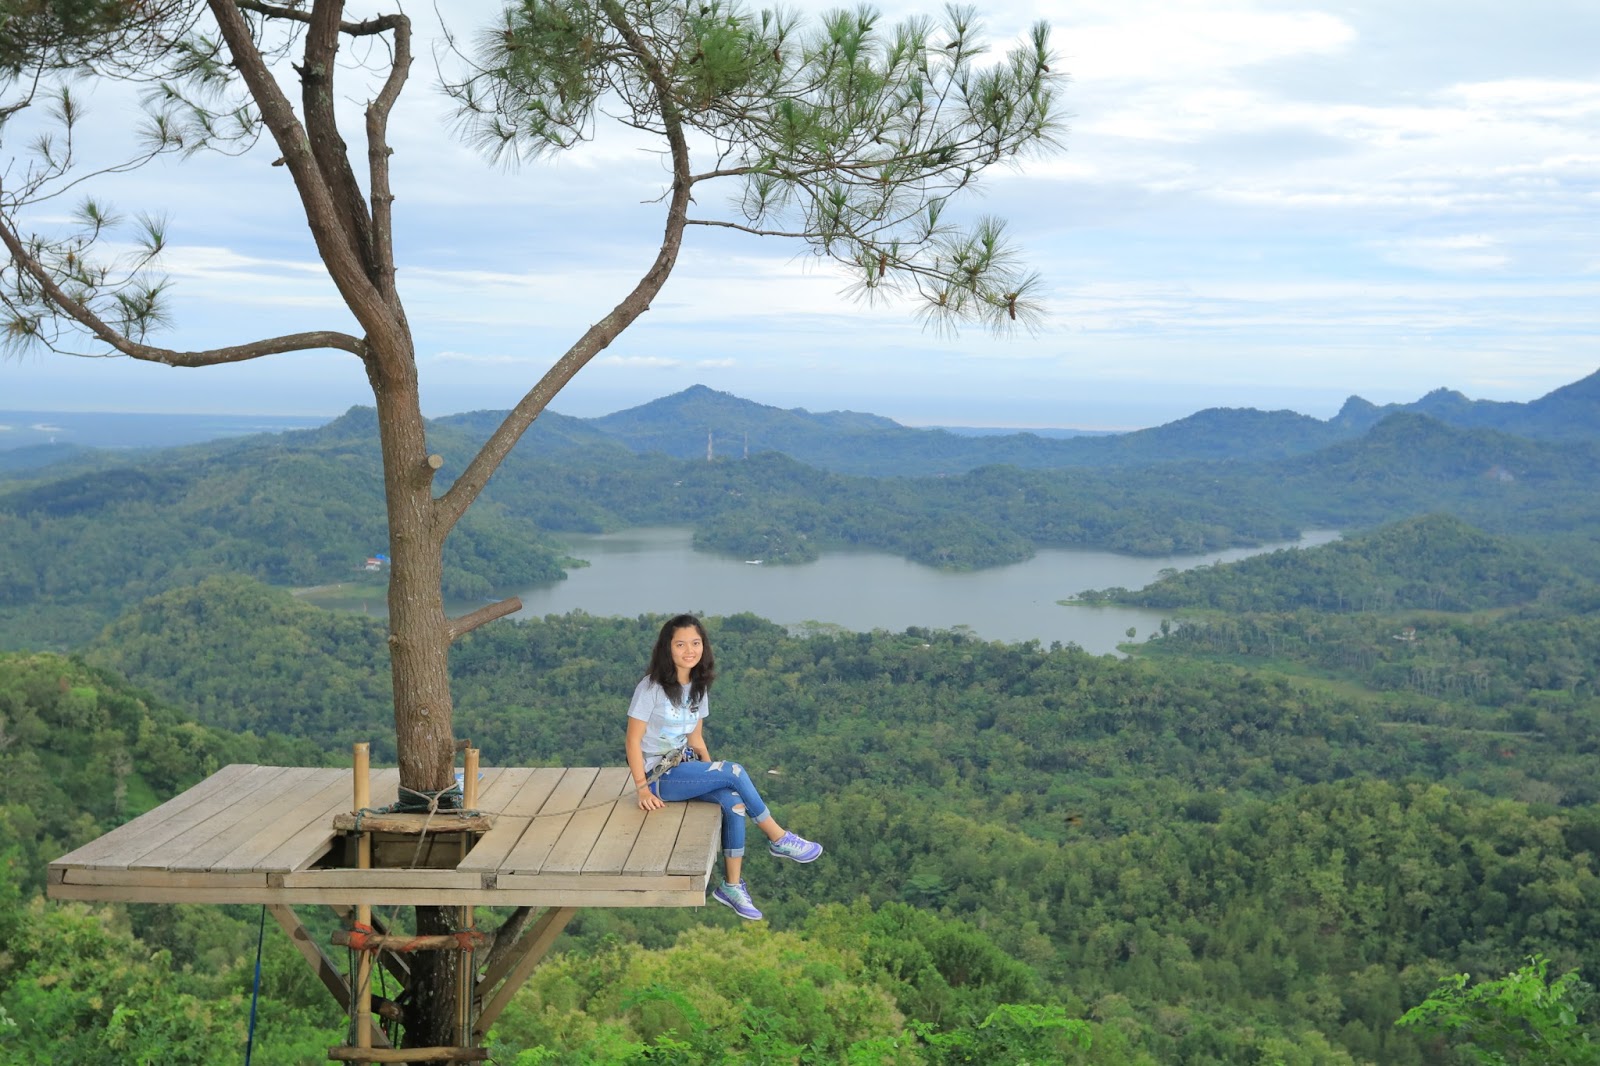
(1356, 409)
(699, 397)
(358, 423)
(704, 393)
(1449, 401)
(722, 412)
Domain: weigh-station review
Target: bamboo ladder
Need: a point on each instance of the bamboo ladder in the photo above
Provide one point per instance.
(367, 943)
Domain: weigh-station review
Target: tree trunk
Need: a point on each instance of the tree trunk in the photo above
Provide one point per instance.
(419, 633)
(419, 648)
(432, 1011)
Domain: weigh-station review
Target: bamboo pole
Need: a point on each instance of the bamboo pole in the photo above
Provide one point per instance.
(363, 798)
(469, 783)
(466, 968)
(398, 967)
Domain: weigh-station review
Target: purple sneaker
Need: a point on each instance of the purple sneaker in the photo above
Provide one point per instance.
(738, 897)
(797, 848)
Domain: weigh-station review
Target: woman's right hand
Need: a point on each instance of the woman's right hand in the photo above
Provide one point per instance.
(649, 801)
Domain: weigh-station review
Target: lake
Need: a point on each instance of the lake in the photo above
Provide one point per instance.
(656, 570)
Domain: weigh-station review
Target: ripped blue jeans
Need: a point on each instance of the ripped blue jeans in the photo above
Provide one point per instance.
(721, 782)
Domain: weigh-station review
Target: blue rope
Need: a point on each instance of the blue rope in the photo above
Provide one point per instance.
(255, 993)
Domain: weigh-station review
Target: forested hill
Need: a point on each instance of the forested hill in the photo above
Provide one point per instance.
(298, 509)
(1568, 413)
(1436, 562)
(83, 751)
(18, 462)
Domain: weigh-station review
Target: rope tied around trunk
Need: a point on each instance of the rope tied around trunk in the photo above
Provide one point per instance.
(420, 801)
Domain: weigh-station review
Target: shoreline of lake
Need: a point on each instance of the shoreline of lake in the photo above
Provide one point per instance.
(655, 570)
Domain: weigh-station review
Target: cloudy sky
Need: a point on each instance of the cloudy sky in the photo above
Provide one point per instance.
(1270, 204)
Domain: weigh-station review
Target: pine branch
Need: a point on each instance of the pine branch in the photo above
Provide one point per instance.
(236, 353)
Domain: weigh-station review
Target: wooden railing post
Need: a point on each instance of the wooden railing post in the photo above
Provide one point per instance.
(363, 798)
(469, 781)
(466, 965)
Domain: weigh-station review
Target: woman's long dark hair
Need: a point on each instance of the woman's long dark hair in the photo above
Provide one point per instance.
(664, 672)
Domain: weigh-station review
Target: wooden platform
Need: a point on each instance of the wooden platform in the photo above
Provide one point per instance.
(264, 834)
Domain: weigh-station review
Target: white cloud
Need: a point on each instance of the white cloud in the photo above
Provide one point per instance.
(1470, 251)
(1560, 99)
(192, 260)
(1162, 42)
(482, 359)
(641, 362)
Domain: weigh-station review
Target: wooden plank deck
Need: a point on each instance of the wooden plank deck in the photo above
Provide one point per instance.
(562, 837)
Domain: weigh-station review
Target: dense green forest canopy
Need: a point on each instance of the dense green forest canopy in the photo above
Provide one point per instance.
(246, 657)
(82, 751)
(1189, 862)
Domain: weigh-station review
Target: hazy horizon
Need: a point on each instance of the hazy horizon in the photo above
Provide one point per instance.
(556, 407)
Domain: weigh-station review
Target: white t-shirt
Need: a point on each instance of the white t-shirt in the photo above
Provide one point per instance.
(667, 724)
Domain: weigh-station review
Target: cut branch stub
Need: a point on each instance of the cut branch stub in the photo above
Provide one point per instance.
(483, 615)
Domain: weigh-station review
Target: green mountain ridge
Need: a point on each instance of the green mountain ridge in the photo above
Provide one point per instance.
(852, 442)
(304, 508)
(1497, 481)
(865, 444)
(1566, 413)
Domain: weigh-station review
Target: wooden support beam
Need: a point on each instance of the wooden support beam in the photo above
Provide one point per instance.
(529, 952)
(409, 1054)
(469, 777)
(312, 952)
(466, 940)
(503, 959)
(505, 937)
(323, 966)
